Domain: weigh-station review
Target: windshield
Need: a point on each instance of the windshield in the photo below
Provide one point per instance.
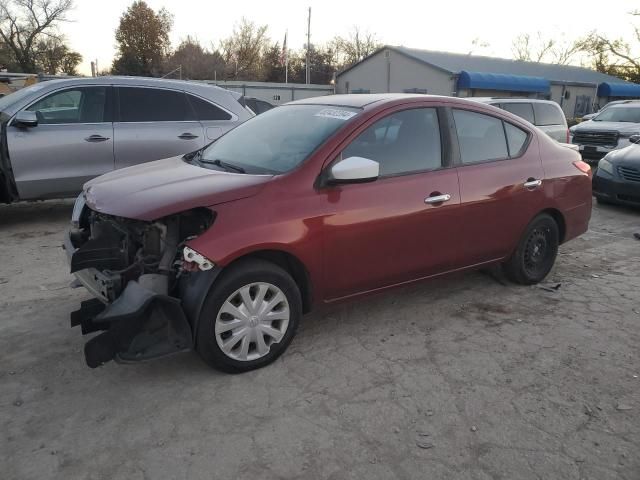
(619, 114)
(276, 141)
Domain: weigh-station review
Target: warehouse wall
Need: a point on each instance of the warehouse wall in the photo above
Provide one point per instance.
(397, 73)
(584, 94)
(475, 92)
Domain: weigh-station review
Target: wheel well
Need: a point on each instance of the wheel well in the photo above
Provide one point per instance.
(293, 266)
(559, 219)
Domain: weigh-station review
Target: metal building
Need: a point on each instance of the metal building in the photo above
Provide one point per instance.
(274, 93)
(578, 90)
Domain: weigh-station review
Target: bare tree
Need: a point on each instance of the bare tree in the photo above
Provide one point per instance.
(53, 57)
(194, 61)
(478, 44)
(25, 22)
(614, 56)
(537, 48)
(355, 47)
(526, 48)
(244, 49)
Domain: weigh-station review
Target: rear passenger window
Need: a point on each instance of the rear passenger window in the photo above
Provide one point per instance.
(480, 137)
(404, 142)
(523, 110)
(207, 111)
(139, 104)
(548, 114)
(516, 138)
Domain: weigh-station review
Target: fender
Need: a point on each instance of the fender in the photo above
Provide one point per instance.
(193, 291)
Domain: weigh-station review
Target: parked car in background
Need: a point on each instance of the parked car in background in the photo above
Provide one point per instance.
(609, 130)
(59, 134)
(589, 116)
(312, 202)
(258, 106)
(617, 179)
(544, 114)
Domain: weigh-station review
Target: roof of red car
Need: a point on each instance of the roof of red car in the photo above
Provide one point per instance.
(358, 100)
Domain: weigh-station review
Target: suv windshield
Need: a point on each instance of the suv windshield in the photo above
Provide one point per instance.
(619, 114)
(276, 141)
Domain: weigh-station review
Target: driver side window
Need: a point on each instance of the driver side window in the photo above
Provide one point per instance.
(403, 142)
(75, 105)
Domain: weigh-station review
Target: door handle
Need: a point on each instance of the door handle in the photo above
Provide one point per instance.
(96, 138)
(437, 199)
(532, 183)
(187, 136)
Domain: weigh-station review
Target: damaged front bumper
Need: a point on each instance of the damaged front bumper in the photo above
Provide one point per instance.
(140, 316)
(139, 325)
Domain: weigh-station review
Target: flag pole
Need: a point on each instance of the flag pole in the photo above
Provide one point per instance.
(286, 58)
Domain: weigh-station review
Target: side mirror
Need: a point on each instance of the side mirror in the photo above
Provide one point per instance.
(635, 138)
(25, 119)
(354, 170)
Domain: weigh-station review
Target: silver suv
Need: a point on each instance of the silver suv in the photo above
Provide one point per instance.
(544, 114)
(57, 135)
(609, 130)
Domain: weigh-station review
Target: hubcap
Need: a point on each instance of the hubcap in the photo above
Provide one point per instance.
(251, 320)
(537, 252)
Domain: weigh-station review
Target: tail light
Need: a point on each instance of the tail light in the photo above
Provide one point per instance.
(583, 166)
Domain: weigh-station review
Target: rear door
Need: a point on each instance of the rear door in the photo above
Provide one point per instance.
(390, 231)
(72, 143)
(501, 179)
(154, 123)
(215, 119)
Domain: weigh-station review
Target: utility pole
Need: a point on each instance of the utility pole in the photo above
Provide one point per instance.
(308, 78)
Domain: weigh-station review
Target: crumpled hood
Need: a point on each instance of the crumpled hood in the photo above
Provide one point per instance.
(155, 189)
(624, 128)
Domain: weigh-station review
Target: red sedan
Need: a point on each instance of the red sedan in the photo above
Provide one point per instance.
(223, 250)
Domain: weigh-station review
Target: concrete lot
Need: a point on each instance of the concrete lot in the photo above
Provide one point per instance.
(462, 378)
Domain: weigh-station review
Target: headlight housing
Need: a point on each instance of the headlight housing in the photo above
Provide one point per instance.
(606, 166)
(78, 207)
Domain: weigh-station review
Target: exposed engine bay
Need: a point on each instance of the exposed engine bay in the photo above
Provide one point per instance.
(122, 250)
(134, 269)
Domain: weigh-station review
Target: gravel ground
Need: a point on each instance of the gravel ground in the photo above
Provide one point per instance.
(461, 378)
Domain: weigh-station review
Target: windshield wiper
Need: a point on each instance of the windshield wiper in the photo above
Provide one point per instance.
(226, 165)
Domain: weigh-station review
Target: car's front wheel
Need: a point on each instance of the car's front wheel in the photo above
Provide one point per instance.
(249, 318)
(536, 253)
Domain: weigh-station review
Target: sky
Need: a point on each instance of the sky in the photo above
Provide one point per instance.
(441, 25)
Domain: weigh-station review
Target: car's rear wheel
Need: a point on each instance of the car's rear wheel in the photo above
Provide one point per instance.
(536, 253)
(249, 318)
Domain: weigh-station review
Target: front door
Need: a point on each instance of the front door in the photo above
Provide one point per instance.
(391, 230)
(154, 123)
(72, 143)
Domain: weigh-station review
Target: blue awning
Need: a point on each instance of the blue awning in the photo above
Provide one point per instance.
(607, 89)
(500, 81)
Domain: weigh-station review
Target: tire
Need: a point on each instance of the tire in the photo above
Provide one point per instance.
(536, 253)
(227, 321)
